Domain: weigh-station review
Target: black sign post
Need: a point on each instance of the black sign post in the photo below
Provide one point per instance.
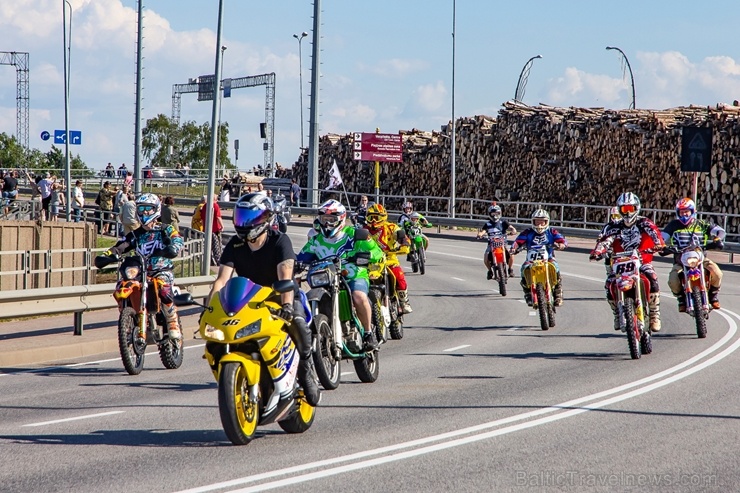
(696, 152)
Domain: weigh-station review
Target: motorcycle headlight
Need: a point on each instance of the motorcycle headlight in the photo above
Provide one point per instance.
(131, 273)
(250, 329)
(692, 262)
(212, 332)
(318, 279)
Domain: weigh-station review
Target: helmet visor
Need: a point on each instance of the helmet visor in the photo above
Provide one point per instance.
(249, 216)
(627, 209)
(329, 220)
(145, 210)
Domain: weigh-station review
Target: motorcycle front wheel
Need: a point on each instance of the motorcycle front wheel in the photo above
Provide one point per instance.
(632, 328)
(376, 301)
(542, 306)
(133, 360)
(699, 318)
(327, 367)
(239, 416)
(396, 328)
(171, 351)
(501, 272)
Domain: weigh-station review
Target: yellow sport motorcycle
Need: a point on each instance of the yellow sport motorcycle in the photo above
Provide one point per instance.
(253, 360)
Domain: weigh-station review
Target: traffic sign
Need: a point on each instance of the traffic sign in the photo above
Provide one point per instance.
(696, 149)
(75, 137)
(45, 135)
(377, 147)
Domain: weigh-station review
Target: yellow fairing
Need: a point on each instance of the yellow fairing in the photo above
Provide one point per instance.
(538, 273)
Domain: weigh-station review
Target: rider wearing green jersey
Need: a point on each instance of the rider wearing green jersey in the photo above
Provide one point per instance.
(335, 238)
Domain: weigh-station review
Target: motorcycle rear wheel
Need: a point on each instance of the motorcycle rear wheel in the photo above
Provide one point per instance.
(300, 419)
(396, 328)
(327, 367)
(132, 362)
(646, 343)
(542, 306)
(239, 417)
(501, 272)
(171, 351)
(367, 369)
(631, 327)
(699, 318)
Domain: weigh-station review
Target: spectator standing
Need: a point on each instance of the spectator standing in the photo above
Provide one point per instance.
(170, 215)
(45, 190)
(197, 222)
(122, 170)
(10, 188)
(225, 192)
(78, 200)
(295, 193)
(218, 226)
(109, 171)
(105, 197)
(129, 219)
(56, 201)
(128, 181)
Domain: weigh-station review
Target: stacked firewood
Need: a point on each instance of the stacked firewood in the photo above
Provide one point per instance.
(556, 155)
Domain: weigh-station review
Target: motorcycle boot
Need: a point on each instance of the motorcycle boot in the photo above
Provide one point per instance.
(681, 298)
(173, 325)
(403, 298)
(370, 343)
(654, 305)
(714, 297)
(301, 335)
(615, 313)
(489, 275)
(527, 292)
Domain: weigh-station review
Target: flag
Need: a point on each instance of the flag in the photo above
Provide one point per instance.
(335, 178)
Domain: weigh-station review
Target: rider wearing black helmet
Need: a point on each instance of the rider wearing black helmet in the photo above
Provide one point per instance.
(265, 256)
(496, 225)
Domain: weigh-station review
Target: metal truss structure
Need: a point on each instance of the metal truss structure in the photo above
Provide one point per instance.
(204, 85)
(20, 60)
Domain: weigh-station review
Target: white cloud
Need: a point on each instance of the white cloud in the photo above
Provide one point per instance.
(394, 67)
(578, 88)
(427, 99)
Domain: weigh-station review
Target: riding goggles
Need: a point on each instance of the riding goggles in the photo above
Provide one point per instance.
(627, 209)
(146, 209)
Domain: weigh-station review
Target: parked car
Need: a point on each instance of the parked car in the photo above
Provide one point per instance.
(174, 176)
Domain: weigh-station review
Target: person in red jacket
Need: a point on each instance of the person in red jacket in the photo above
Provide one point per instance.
(633, 232)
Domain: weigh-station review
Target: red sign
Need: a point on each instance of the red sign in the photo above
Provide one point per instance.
(392, 157)
(378, 147)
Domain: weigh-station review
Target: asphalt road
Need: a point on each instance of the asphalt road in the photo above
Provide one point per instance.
(475, 397)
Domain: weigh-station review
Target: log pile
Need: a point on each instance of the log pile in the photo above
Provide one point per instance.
(558, 155)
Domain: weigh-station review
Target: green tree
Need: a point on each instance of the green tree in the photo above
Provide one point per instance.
(14, 156)
(190, 143)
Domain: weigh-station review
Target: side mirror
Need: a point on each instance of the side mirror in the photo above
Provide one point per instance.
(184, 299)
(283, 286)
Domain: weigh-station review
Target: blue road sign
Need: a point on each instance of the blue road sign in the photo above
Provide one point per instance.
(75, 137)
(45, 135)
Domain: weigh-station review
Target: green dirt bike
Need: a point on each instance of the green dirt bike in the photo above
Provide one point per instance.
(417, 251)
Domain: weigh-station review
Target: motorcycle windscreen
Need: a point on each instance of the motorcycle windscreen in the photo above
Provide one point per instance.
(237, 292)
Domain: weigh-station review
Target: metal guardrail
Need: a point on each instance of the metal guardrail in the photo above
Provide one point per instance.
(79, 299)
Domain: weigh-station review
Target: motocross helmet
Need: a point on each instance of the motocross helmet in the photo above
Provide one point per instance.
(494, 212)
(332, 215)
(629, 207)
(614, 214)
(407, 207)
(148, 209)
(414, 218)
(376, 215)
(252, 215)
(540, 220)
(682, 207)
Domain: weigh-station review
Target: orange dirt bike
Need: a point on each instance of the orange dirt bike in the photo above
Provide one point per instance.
(253, 359)
(387, 312)
(497, 256)
(695, 281)
(140, 320)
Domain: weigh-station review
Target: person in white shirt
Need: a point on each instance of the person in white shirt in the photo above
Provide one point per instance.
(78, 200)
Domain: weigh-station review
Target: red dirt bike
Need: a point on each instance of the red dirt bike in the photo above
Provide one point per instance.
(497, 256)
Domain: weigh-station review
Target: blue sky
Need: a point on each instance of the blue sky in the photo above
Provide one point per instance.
(385, 63)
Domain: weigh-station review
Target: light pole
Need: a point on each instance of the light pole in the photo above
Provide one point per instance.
(221, 97)
(300, 77)
(521, 84)
(625, 61)
(452, 138)
(67, 57)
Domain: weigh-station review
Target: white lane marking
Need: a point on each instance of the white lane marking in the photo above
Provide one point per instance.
(346, 373)
(513, 328)
(75, 419)
(563, 410)
(458, 279)
(456, 348)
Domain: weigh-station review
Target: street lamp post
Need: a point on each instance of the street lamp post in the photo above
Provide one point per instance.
(452, 136)
(300, 77)
(521, 84)
(67, 56)
(629, 67)
(221, 97)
